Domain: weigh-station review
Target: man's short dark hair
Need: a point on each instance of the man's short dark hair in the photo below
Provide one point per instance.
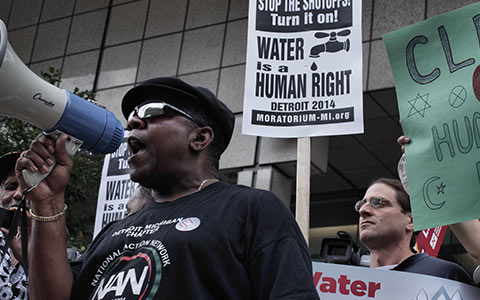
(403, 200)
(402, 197)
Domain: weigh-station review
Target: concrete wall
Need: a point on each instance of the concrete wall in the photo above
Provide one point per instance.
(109, 46)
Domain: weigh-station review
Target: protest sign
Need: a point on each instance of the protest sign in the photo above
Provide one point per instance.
(340, 282)
(304, 68)
(430, 240)
(435, 64)
(115, 187)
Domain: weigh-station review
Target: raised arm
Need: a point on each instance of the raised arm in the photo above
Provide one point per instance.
(468, 233)
(50, 276)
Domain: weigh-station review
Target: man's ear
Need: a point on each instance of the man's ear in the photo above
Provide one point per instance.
(410, 221)
(201, 138)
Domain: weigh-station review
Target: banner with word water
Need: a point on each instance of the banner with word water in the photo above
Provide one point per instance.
(436, 66)
(341, 282)
(304, 68)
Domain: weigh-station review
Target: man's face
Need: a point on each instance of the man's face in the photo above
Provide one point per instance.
(159, 148)
(10, 194)
(384, 224)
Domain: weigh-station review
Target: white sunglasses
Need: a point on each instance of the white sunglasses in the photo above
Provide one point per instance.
(155, 109)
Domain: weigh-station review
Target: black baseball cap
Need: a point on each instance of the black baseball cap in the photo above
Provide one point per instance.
(7, 163)
(171, 89)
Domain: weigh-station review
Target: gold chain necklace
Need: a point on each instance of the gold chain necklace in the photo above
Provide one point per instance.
(202, 185)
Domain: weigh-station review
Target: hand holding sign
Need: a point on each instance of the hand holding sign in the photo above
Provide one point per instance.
(435, 66)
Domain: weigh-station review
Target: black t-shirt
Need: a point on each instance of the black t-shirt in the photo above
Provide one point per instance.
(427, 265)
(224, 242)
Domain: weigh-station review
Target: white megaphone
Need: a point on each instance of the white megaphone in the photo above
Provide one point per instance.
(25, 96)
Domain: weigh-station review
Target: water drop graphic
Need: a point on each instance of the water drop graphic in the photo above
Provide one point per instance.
(314, 67)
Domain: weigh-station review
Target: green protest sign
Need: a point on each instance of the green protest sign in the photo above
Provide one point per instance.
(436, 66)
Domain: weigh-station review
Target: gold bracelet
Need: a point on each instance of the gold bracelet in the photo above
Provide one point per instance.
(51, 218)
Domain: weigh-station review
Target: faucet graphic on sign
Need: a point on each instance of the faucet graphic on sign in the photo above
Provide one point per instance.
(332, 45)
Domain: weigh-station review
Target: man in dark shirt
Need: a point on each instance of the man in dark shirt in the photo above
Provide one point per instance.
(386, 229)
(199, 238)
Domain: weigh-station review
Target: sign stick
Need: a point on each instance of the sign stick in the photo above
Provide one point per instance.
(302, 209)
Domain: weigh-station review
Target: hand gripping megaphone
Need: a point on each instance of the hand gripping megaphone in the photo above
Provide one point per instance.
(25, 96)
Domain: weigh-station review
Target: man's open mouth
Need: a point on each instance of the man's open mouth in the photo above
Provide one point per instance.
(135, 145)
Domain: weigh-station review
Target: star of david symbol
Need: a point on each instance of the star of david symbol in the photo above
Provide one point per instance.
(419, 105)
(441, 188)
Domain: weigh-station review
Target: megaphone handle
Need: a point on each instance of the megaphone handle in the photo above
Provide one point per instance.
(32, 179)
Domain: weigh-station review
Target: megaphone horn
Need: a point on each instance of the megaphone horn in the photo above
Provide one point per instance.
(25, 96)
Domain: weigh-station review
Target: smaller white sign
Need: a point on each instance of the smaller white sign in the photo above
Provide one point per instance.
(115, 187)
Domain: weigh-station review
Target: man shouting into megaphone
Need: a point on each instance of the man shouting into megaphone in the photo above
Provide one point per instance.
(198, 238)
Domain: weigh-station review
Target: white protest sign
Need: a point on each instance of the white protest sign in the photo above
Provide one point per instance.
(304, 68)
(340, 282)
(115, 188)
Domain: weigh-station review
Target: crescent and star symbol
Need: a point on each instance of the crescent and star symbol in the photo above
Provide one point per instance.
(440, 190)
